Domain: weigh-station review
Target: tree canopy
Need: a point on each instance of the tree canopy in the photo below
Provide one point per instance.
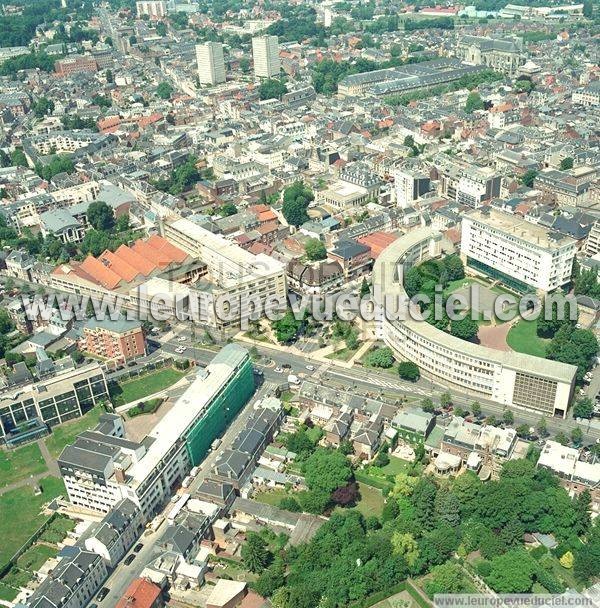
(296, 199)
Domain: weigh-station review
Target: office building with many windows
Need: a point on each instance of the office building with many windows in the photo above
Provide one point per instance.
(524, 256)
(68, 394)
(102, 467)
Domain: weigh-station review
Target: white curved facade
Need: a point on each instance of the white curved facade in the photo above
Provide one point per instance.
(509, 378)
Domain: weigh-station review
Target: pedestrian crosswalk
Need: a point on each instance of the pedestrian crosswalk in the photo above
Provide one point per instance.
(373, 379)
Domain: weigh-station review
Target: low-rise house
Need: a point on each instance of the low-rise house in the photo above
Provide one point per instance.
(311, 279)
(117, 532)
(185, 535)
(74, 581)
(413, 424)
(142, 593)
(462, 437)
(354, 258)
(575, 474)
(218, 492)
(338, 430)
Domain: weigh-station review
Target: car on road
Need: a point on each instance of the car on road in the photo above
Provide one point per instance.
(278, 370)
(310, 368)
(286, 366)
(180, 349)
(138, 547)
(129, 559)
(102, 593)
(181, 339)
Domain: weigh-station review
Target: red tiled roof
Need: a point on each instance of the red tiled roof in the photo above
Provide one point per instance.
(133, 258)
(140, 594)
(121, 267)
(100, 273)
(158, 257)
(175, 254)
(377, 241)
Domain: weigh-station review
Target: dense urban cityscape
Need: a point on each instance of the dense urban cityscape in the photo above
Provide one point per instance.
(299, 303)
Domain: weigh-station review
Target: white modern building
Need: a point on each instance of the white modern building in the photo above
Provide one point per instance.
(410, 185)
(520, 254)
(577, 475)
(102, 467)
(153, 8)
(265, 52)
(238, 282)
(509, 378)
(211, 65)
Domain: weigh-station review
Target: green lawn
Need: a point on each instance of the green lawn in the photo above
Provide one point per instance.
(20, 514)
(65, 434)
(395, 466)
(20, 463)
(145, 385)
(57, 531)
(371, 500)
(271, 497)
(343, 354)
(563, 574)
(523, 338)
(35, 557)
(7, 594)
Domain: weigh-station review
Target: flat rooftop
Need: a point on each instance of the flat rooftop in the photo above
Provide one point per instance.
(517, 227)
(188, 409)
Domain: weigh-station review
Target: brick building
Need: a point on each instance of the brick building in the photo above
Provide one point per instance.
(120, 339)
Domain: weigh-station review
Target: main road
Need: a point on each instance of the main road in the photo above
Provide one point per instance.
(374, 383)
(123, 575)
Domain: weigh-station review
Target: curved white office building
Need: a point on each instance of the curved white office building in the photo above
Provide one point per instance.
(510, 378)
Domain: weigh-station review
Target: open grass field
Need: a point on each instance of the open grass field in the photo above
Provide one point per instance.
(142, 386)
(20, 463)
(7, 593)
(271, 497)
(523, 338)
(20, 514)
(65, 433)
(395, 466)
(371, 500)
(35, 557)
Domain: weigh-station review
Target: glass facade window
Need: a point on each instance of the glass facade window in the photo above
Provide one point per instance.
(218, 415)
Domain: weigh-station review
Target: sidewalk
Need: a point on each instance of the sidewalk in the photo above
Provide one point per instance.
(319, 356)
(51, 465)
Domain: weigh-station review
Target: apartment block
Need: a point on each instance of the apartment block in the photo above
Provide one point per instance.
(103, 467)
(119, 340)
(520, 254)
(75, 65)
(152, 8)
(211, 66)
(265, 52)
(410, 185)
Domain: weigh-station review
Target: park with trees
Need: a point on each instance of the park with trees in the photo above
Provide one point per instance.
(441, 534)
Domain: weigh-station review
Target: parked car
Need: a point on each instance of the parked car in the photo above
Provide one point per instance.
(129, 559)
(102, 593)
(138, 547)
(310, 368)
(278, 370)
